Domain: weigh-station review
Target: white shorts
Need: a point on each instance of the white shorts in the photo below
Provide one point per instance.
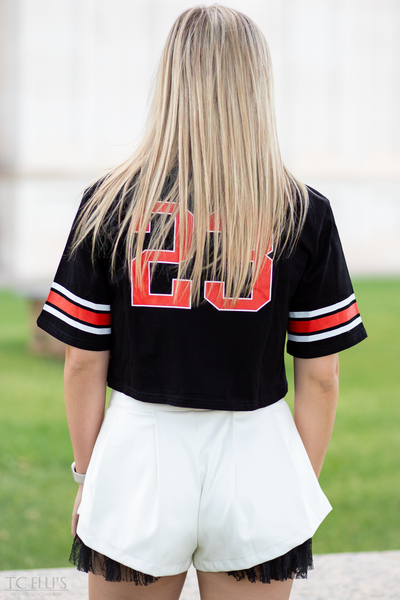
(168, 486)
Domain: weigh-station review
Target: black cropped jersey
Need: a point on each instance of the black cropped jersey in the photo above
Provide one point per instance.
(215, 355)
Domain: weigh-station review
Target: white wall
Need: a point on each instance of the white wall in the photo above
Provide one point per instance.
(75, 78)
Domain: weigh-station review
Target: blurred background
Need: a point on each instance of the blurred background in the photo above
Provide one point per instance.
(75, 80)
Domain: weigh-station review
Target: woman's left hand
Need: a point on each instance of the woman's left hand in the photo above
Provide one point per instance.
(75, 515)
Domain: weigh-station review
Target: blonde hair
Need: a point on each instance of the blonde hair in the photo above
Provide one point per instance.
(212, 123)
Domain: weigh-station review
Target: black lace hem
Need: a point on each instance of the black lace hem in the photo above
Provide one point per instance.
(292, 565)
(87, 560)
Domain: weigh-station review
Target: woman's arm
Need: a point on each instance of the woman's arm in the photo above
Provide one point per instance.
(85, 376)
(316, 384)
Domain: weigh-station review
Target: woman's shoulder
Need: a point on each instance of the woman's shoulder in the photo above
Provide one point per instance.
(319, 205)
(318, 223)
(319, 214)
(92, 188)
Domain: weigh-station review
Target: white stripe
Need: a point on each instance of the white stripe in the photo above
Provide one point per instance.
(327, 334)
(87, 328)
(81, 301)
(321, 311)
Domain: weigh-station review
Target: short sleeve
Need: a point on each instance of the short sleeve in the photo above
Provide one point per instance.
(77, 310)
(324, 317)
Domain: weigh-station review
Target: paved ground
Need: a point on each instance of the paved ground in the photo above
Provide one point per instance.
(347, 576)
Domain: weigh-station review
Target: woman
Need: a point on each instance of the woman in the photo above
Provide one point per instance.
(185, 267)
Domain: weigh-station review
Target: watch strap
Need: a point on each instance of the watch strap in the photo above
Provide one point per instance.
(78, 477)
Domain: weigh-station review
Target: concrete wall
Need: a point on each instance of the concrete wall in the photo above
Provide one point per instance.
(75, 77)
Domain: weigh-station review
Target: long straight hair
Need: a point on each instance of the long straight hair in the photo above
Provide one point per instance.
(212, 124)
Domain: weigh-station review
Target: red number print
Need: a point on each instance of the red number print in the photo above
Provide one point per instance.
(181, 290)
(214, 291)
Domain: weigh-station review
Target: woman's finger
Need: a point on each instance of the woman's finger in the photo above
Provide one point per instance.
(75, 515)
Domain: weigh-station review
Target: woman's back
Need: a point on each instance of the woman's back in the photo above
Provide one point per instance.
(218, 354)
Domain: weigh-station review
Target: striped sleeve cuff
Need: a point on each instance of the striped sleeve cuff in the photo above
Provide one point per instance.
(75, 320)
(310, 326)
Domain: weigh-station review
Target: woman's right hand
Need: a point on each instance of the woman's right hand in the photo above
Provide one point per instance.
(75, 515)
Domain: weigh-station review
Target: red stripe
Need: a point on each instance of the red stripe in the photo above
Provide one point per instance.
(87, 316)
(324, 322)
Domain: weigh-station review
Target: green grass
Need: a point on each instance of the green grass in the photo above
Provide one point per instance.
(361, 475)
(36, 492)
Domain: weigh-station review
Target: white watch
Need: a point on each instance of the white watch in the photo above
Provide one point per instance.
(79, 477)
